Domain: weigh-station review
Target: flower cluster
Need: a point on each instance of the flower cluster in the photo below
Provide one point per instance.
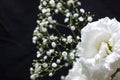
(99, 52)
(56, 35)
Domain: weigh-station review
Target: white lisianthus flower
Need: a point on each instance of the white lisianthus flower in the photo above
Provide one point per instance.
(99, 51)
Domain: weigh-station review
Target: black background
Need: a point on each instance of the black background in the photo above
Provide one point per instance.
(17, 22)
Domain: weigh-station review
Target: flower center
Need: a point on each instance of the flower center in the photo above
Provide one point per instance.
(109, 48)
(105, 49)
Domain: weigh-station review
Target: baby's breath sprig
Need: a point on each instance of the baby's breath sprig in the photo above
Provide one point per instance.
(56, 35)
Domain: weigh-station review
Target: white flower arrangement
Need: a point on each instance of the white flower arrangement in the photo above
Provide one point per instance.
(94, 54)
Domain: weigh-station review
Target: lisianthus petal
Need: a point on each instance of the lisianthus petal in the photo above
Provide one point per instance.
(77, 73)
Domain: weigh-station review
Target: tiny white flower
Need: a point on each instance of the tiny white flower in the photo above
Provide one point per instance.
(34, 76)
(72, 28)
(41, 24)
(45, 65)
(44, 19)
(64, 39)
(52, 37)
(48, 9)
(78, 37)
(52, 3)
(37, 68)
(50, 52)
(45, 57)
(66, 20)
(55, 37)
(56, 10)
(34, 39)
(76, 15)
(51, 26)
(36, 65)
(79, 3)
(46, 22)
(67, 11)
(66, 64)
(68, 14)
(31, 69)
(40, 7)
(44, 40)
(89, 18)
(62, 77)
(44, 10)
(38, 54)
(81, 19)
(82, 10)
(69, 2)
(41, 49)
(44, 29)
(65, 57)
(44, 3)
(58, 61)
(72, 55)
(64, 54)
(50, 74)
(53, 44)
(38, 34)
(54, 65)
(69, 39)
(36, 29)
(53, 21)
(59, 5)
(50, 19)
(48, 14)
(38, 21)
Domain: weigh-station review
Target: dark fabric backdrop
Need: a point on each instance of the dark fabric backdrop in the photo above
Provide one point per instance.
(17, 22)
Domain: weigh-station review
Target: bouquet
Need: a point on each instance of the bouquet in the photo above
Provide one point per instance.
(66, 38)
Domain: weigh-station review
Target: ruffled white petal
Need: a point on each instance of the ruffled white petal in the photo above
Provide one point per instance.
(77, 72)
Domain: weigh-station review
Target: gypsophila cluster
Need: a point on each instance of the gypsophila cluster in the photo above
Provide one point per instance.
(56, 35)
